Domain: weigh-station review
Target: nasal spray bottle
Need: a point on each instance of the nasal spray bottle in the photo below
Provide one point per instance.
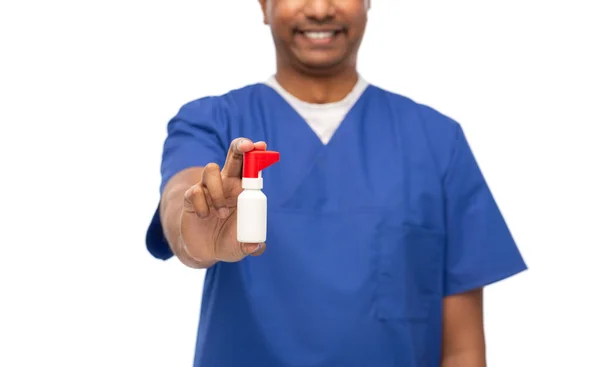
(252, 202)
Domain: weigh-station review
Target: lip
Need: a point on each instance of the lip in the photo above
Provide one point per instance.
(326, 42)
(334, 30)
(317, 42)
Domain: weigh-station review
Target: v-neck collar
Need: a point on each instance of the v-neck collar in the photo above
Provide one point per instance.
(301, 149)
(354, 97)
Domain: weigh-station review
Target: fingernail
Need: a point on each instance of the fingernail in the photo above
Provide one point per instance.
(223, 212)
(258, 246)
(240, 143)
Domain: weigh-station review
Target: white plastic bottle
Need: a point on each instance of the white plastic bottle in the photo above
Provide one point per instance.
(252, 202)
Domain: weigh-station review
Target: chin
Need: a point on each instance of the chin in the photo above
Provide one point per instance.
(324, 63)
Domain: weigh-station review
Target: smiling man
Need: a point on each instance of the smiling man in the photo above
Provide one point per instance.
(382, 231)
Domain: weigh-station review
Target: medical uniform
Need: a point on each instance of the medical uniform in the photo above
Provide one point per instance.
(376, 211)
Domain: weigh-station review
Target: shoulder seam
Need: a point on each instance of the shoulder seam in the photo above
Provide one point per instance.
(453, 152)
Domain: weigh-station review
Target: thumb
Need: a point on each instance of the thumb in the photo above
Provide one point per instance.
(235, 156)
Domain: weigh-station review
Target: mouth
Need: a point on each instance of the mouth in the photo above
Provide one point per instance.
(320, 36)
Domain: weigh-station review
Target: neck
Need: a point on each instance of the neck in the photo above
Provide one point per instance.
(313, 88)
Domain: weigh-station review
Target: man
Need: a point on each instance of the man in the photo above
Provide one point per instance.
(382, 231)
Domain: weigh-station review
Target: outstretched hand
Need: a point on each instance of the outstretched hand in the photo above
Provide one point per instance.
(208, 223)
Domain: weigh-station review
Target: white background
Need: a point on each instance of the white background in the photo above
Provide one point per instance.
(86, 89)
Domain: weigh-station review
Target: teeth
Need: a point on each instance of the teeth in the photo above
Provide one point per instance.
(319, 35)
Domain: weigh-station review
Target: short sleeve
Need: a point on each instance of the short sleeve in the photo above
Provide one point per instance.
(480, 248)
(195, 137)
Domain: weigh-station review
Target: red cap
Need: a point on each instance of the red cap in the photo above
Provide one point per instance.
(256, 160)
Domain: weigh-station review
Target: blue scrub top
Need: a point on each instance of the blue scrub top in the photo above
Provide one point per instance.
(366, 235)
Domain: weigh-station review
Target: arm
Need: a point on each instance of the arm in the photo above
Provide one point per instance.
(480, 250)
(171, 209)
(194, 138)
(463, 340)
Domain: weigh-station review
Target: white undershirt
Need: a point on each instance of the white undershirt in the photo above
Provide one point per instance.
(325, 118)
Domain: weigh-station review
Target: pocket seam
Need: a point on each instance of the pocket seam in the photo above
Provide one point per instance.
(390, 304)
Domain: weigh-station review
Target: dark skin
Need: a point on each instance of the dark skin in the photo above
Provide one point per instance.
(316, 73)
(198, 204)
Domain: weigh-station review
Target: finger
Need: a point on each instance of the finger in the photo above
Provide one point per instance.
(211, 179)
(235, 157)
(260, 145)
(252, 248)
(260, 250)
(195, 202)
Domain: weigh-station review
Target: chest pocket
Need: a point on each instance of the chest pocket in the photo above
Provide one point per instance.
(409, 270)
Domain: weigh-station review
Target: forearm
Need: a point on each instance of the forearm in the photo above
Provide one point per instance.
(463, 333)
(171, 209)
(470, 358)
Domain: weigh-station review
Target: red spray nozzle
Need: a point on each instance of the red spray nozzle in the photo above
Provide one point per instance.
(256, 160)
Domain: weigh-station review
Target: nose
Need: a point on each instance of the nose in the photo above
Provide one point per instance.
(320, 10)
